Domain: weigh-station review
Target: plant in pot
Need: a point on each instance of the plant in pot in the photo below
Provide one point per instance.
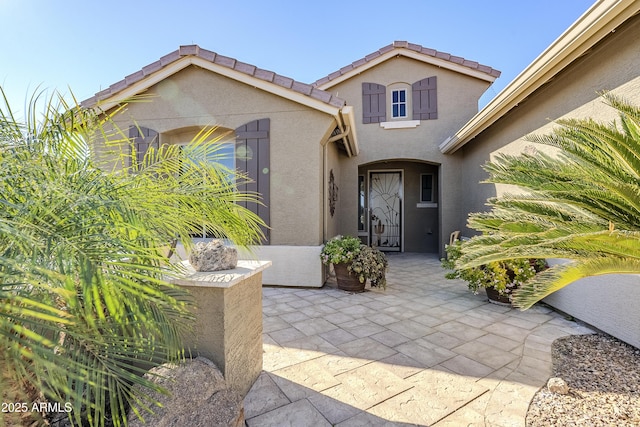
(354, 263)
(499, 279)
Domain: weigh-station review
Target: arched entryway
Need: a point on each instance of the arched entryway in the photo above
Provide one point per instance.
(398, 205)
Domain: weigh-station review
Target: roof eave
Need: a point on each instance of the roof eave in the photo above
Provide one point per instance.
(433, 60)
(348, 117)
(312, 99)
(603, 17)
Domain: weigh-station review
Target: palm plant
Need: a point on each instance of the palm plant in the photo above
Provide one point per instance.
(85, 306)
(581, 203)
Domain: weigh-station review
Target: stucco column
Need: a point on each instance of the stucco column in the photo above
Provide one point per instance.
(228, 328)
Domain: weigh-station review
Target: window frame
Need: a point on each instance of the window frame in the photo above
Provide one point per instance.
(221, 155)
(422, 188)
(398, 88)
(228, 144)
(362, 204)
(397, 105)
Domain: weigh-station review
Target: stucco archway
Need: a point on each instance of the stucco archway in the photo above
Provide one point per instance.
(398, 206)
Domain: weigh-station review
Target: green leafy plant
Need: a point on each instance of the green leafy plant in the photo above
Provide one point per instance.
(370, 264)
(364, 262)
(582, 204)
(340, 249)
(504, 276)
(85, 306)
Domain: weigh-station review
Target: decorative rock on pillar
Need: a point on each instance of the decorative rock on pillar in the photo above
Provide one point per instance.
(228, 327)
(213, 256)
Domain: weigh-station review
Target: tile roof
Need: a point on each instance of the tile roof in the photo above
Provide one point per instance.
(224, 61)
(413, 47)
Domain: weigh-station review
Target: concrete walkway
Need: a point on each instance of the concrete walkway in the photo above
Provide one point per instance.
(424, 352)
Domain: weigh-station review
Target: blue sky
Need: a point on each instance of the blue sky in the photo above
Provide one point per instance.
(86, 45)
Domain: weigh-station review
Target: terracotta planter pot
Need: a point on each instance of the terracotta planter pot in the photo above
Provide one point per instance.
(346, 281)
(496, 298)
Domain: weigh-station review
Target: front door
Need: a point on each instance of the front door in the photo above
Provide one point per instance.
(385, 207)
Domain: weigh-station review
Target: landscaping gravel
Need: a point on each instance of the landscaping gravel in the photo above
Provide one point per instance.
(603, 376)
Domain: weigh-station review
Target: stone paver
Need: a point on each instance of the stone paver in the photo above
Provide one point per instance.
(425, 352)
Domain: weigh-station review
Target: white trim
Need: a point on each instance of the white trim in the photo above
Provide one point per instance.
(400, 124)
(297, 266)
(595, 24)
(426, 205)
(347, 114)
(398, 51)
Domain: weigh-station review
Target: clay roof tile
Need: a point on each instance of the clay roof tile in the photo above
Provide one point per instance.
(401, 44)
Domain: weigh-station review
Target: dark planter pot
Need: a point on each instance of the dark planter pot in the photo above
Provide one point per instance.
(346, 281)
(496, 298)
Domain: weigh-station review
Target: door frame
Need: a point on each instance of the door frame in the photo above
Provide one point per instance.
(402, 207)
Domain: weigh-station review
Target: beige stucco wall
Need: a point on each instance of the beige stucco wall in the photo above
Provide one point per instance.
(613, 65)
(607, 302)
(333, 154)
(195, 97)
(458, 96)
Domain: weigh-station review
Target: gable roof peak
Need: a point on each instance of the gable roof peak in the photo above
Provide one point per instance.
(210, 58)
(406, 48)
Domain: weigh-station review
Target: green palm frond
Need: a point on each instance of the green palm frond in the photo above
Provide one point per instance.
(561, 275)
(85, 305)
(580, 203)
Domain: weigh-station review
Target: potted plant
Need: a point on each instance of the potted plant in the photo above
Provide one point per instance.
(354, 263)
(370, 264)
(499, 279)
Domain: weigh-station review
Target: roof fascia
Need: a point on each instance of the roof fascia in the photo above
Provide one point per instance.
(348, 116)
(602, 18)
(186, 61)
(409, 54)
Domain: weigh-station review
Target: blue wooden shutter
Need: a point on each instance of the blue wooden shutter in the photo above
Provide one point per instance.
(142, 139)
(253, 159)
(374, 103)
(425, 99)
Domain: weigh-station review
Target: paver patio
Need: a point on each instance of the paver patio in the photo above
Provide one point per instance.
(424, 352)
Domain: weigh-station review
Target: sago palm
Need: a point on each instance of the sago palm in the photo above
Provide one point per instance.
(581, 203)
(85, 306)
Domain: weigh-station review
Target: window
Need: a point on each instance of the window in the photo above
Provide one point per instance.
(223, 154)
(426, 187)
(399, 103)
(362, 213)
(399, 99)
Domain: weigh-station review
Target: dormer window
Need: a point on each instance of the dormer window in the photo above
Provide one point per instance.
(399, 103)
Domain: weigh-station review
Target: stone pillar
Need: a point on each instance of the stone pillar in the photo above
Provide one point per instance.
(228, 328)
